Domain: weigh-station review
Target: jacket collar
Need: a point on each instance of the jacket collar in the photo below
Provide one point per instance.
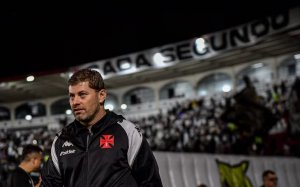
(75, 132)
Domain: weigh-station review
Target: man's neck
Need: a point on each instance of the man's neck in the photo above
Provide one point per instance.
(97, 118)
(25, 167)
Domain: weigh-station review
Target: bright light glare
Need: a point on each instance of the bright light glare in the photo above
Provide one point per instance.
(3, 84)
(203, 92)
(226, 88)
(30, 78)
(158, 58)
(109, 107)
(34, 142)
(123, 106)
(69, 111)
(125, 65)
(258, 65)
(28, 117)
(200, 45)
(200, 41)
(297, 56)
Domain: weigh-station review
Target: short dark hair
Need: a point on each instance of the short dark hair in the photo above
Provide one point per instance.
(87, 75)
(267, 172)
(28, 150)
(247, 80)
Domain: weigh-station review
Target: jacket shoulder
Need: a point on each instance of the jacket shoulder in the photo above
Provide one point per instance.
(130, 127)
(135, 139)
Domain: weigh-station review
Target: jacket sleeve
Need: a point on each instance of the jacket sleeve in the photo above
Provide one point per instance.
(51, 176)
(141, 160)
(144, 168)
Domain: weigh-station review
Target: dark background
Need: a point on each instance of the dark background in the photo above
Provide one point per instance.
(43, 38)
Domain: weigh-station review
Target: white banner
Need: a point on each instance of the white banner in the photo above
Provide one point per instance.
(190, 170)
(204, 47)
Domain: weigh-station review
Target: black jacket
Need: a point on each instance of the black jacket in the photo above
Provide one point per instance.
(113, 153)
(19, 178)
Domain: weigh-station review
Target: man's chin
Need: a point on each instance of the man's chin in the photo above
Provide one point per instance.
(81, 119)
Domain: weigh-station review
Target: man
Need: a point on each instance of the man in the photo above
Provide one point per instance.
(30, 161)
(99, 148)
(269, 179)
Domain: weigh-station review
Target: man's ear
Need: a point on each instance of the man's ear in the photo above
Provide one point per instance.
(33, 160)
(102, 96)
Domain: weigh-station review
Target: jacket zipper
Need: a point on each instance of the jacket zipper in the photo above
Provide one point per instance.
(87, 155)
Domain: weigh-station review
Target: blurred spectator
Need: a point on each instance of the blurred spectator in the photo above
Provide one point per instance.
(31, 160)
(269, 179)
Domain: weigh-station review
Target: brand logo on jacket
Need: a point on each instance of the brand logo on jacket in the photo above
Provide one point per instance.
(71, 151)
(67, 144)
(107, 141)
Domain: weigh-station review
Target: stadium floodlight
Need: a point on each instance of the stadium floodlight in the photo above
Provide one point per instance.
(297, 56)
(3, 84)
(28, 117)
(34, 142)
(30, 78)
(203, 93)
(123, 106)
(226, 88)
(258, 65)
(69, 111)
(200, 45)
(125, 65)
(109, 107)
(158, 58)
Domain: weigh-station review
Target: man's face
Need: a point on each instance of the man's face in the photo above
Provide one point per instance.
(270, 180)
(85, 102)
(37, 161)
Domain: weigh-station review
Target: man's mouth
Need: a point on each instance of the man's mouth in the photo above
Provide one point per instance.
(79, 110)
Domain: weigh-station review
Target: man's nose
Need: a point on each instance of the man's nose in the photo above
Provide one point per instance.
(75, 100)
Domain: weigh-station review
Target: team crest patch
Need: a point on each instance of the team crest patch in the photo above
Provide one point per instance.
(107, 141)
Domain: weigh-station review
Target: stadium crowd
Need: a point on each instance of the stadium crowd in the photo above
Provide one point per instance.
(246, 123)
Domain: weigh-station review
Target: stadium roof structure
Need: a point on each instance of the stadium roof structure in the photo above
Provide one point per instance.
(46, 43)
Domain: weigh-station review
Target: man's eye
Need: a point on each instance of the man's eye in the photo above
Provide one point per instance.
(82, 95)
